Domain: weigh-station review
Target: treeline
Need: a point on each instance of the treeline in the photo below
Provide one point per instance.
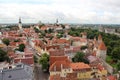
(112, 41)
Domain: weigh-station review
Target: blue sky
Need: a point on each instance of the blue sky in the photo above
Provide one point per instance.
(67, 11)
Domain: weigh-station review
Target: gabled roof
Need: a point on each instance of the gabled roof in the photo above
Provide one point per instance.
(57, 58)
(59, 65)
(61, 41)
(58, 52)
(28, 60)
(79, 66)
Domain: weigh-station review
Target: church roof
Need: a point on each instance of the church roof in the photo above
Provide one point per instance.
(102, 46)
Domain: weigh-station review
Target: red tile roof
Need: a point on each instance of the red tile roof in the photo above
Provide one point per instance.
(79, 66)
(53, 47)
(57, 58)
(100, 67)
(57, 52)
(59, 65)
(79, 39)
(102, 46)
(112, 78)
(61, 41)
(28, 60)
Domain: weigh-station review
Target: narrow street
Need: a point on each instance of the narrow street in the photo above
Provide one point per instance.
(39, 74)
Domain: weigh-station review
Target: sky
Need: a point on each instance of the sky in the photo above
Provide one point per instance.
(66, 11)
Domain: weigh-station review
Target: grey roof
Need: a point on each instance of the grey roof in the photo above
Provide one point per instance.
(21, 72)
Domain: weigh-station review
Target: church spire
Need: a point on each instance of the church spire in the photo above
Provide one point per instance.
(20, 25)
(20, 20)
(56, 21)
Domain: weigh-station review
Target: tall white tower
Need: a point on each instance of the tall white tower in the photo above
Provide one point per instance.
(20, 25)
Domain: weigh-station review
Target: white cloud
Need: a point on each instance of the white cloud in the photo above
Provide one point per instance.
(72, 11)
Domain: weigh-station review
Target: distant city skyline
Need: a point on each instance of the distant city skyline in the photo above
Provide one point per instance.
(66, 11)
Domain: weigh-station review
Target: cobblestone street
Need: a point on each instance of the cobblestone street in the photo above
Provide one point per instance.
(39, 74)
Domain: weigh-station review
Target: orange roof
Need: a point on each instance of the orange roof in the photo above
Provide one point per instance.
(28, 60)
(79, 65)
(57, 58)
(112, 78)
(43, 28)
(102, 46)
(61, 41)
(79, 39)
(57, 52)
(59, 65)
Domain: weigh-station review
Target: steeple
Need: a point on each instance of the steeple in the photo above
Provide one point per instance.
(20, 25)
(102, 46)
(56, 21)
(20, 20)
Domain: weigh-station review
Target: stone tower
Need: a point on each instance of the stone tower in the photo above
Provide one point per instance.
(20, 25)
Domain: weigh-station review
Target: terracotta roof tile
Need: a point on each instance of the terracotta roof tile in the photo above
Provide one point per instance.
(111, 78)
(79, 66)
(57, 58)
(102, 46)
(28, 60)
(59, 65)
(58, 52)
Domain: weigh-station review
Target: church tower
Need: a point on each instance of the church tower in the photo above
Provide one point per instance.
(56, 21)
(20, 25)
(102, 50)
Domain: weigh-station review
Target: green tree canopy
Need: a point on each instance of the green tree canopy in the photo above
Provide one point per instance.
(35, 59)
(44, 61)
(118, 66)
(6, 41)
(116, 53)
(21, 47)
(83, 47)
(3, 56)
(79, 57)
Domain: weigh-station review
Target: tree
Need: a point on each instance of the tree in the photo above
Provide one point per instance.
(36, 30)
(83, 47)
(79, 57)
(118, 66)
(6, 41)
(116, 53)
(109, 50)
(44, 61)
(35, 59)
(63, 26)
(21, 47)
(3, 56)
(59, 35)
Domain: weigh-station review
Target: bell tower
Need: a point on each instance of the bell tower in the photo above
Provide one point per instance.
(20, 25)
